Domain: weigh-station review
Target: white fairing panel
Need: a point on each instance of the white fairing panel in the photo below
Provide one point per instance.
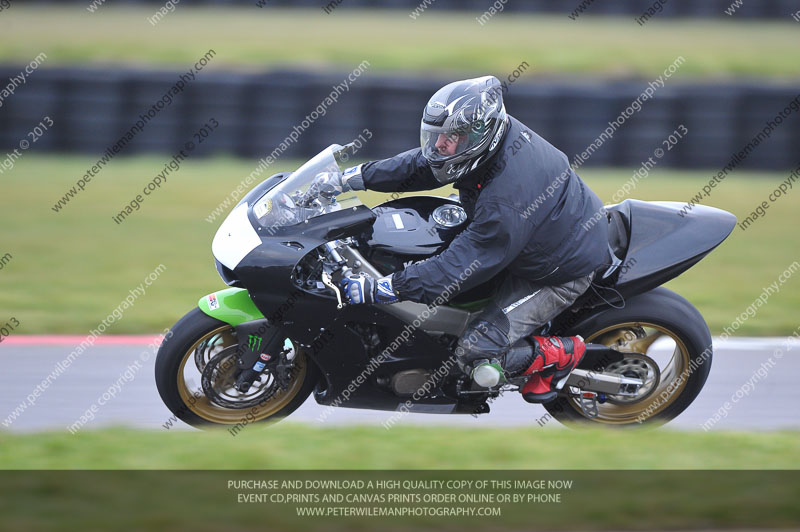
(235, 238)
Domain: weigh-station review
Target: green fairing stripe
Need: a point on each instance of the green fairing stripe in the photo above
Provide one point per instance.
(234, 306)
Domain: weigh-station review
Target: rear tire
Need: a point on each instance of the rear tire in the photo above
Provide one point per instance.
(191, 405)
(674, 317)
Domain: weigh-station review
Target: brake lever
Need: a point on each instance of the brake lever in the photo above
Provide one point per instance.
(327, 281)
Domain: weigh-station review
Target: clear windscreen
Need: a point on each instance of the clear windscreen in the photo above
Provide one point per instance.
(290, 202)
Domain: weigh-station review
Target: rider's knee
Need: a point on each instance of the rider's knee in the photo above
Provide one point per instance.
(483, 339)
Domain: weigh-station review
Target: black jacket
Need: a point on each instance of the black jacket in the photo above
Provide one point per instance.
(526, 209)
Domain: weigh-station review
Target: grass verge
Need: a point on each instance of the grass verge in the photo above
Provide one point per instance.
(295, 446)
(633, 485)
(251, 38)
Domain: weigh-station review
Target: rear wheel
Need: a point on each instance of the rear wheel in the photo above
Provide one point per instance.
(676, 344)
(196, 369)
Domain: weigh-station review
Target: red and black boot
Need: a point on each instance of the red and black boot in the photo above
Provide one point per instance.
(554, 358)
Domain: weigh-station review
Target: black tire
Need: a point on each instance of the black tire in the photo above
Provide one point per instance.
(663, 308)
(183, 335)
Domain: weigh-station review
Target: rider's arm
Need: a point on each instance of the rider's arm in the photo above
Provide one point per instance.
(489, 243)
(406, 172)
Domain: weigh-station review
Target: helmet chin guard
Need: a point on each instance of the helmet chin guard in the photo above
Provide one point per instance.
(462, 126)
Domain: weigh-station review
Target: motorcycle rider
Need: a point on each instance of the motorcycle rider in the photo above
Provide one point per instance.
(526, 209)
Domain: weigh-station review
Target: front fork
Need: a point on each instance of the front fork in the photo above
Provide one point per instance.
(260, 343)
(260, 346)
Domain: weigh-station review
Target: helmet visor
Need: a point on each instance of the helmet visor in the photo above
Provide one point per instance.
(440, 144)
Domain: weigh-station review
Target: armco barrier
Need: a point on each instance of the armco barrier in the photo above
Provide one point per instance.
(672, 8)
(91, 108)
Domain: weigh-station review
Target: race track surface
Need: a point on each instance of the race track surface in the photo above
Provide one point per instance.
(742, 364)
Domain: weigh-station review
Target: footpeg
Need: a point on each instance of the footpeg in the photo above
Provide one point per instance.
(588, 403)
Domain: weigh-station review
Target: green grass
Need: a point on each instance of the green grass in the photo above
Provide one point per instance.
(295, 446)
(71, 269)
(655, 485)
(439, 43)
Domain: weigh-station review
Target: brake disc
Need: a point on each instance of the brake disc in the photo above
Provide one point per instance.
(219, 376)
(207, 350)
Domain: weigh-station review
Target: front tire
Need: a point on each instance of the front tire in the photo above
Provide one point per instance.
(656, 316)
(198, 339)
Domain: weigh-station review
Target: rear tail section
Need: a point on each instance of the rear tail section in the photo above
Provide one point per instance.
(663, 241)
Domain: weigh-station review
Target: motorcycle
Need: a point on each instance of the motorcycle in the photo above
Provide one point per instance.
(255, 351)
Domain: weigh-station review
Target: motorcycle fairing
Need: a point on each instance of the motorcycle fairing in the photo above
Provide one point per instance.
(232, 305)
(356, 375)
(663, 244)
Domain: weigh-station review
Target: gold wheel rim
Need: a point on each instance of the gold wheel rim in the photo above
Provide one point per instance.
(196, 401)
(673, 373)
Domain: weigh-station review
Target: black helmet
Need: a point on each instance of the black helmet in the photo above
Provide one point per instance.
(462, 127)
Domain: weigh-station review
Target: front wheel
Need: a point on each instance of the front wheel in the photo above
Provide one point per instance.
(197, 358)
(676, 343)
